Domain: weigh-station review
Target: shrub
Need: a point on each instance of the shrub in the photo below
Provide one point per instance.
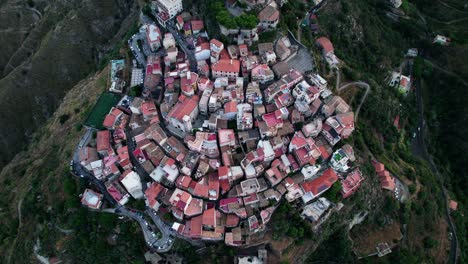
(63, 118)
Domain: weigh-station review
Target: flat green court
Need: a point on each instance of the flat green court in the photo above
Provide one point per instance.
(102, 107)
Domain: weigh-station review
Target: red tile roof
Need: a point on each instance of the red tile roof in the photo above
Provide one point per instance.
(213, 186)
(216, 42)
(185, 106)
(123, 153)
(453, 205)
(224, 65)
(269, 13)
(148, 108)
(110, 119)
(232, 220)
(152, 193)
(209, 217)
(103, 140)
(197, 25)
(224, 185)
(326, 44)
(379, 167)
(196, 227)
(201, 189)
(230, 107)
(322, 183)
(351, 182)
(271, 119)
(183, 182)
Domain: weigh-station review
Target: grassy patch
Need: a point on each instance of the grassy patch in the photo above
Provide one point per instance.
(105, 102)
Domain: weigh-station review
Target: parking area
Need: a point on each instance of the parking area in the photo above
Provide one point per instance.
(302, 61)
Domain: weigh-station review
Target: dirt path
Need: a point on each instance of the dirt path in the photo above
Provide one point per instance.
(20, 203)
(451, 7)
(448, 22)
(447, 72)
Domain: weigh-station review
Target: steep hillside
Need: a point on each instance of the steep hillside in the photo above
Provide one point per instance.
(46, 51)
(39, 197)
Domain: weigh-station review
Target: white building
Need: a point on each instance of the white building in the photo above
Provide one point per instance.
(137, 77)
(171, 7)
(132, 183)
(320, 82)
(169, 41)
(315, 210)
(153, 36)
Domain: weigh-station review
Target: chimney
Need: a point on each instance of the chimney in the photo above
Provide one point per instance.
(231, 61)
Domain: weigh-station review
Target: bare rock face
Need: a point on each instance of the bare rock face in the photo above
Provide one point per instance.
(48, 47)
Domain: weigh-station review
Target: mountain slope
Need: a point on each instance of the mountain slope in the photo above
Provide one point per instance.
(38, 187)
(59, 46)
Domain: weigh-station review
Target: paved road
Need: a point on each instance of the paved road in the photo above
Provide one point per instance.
(447, 72)
(159, 245)
(421, 145)
(180, 39)
(359, 84)
(133, 43)
(448, 22)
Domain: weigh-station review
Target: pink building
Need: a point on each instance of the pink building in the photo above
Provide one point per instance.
(351, 183)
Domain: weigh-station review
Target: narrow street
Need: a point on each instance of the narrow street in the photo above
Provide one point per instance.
(159, 245)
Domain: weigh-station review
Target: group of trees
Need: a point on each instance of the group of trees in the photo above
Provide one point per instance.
(287, 222)
(244, 21)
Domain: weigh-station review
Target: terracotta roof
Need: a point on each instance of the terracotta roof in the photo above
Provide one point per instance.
(225, 65)
(201, 189)
(196, 226)
(123, 153)
(322, 183)
(351, 182)
(326, 44)
(216, 42)
(194, 207)
(153, 192)
(197, 25)
(453, 205)
(379, 167)
(103, 140)
(271, 119)
(110, 119)
(179, 19)
(148, 108)
(184, 107)
(209, 217)
(269, 13)
(232, 220)
(230, 107)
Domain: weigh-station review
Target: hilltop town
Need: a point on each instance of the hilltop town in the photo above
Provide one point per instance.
(214, 135)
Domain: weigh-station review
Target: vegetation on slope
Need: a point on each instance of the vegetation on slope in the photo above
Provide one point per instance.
(50, 208)
(63, 46)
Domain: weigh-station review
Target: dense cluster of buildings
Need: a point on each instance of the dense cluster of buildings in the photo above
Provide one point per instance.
(221, 147)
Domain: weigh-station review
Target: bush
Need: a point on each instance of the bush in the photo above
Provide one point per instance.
(135, 91)
(63, 118)
(429, 243)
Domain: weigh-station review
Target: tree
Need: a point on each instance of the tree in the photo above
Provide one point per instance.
(135, 91)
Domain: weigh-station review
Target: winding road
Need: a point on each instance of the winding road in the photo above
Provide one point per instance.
(360, 84)
(421, 145)
(159, 245)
